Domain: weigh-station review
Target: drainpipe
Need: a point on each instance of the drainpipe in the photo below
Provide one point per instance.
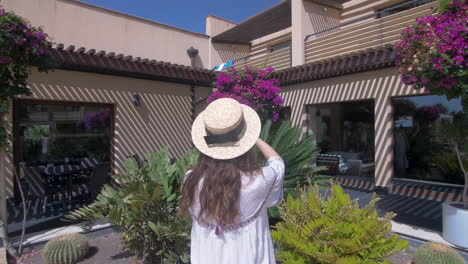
(192, 53)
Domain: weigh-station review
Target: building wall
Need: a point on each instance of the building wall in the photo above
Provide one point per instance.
(358, 8)
(76, 23)
(279, 59)
(379, 85)
(307, 18)
(221, 52)
(163, 119)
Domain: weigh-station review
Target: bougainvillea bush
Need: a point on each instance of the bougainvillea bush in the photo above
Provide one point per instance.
(252, 87)
(22, 46)
(433, 53)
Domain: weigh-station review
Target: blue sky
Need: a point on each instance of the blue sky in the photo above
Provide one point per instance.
(187, 14)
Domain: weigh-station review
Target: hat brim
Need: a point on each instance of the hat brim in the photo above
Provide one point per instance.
(226, 151)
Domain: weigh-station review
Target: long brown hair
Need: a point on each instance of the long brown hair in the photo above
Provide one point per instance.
(220, 193)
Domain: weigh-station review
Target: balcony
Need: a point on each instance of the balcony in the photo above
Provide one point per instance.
(278, 57)
(362, 34)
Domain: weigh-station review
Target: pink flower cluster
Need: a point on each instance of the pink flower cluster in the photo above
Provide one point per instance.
(427, 114)
(252, 87)
(433, 53)
(96, 120)
(18, 37)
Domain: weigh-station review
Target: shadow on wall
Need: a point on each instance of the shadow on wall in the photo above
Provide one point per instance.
(198, 63)
(321, 18)
(163, 119)
(379, 85)
(230, 52)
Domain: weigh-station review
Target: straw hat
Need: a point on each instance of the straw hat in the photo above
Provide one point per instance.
(226, 129)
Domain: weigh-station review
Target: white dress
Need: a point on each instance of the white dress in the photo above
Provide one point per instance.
(250, 241)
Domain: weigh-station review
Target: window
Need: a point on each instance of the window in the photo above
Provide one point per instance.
(345, 130)
(280, 46)
(419, 152)
(405, 5)
(59, 131)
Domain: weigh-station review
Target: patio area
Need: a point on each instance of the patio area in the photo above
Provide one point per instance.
(415, 203)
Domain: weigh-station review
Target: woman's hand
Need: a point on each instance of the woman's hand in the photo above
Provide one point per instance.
(266, 149)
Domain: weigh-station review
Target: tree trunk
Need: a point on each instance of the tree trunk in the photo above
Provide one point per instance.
(465, 174)
(3, 204)
(25, 213)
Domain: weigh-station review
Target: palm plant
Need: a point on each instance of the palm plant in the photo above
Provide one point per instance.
(144, 206)
(298, 151)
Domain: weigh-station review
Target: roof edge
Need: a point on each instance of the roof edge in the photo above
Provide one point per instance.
(362, 61)
(127, 66)
(328, 3)
(221, 18)
(100, 8)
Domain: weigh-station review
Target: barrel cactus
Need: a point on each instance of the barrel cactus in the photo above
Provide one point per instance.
(435, 253)
(66, 249)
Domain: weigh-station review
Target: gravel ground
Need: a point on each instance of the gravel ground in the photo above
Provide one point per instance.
(106, 249)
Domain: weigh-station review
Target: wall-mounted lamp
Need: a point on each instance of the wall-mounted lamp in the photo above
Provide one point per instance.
(136, 100)
(324, 9)
(192, 53)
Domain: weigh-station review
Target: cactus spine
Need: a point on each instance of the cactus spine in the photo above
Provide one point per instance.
(435, 253)
(66, 249)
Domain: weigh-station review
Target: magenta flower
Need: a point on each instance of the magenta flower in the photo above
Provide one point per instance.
(5, 60)
(432, 54)
(252, 87)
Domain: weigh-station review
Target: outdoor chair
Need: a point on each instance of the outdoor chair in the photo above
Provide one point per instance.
(331, 162)
(354, 167)
(38, 188)
(99, 176)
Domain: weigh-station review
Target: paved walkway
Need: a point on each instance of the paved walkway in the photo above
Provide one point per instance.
(417, 214)
(411, 211)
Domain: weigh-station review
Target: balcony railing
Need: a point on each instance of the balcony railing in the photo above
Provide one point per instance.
(353, 36)
(278, 57)
(341, 40)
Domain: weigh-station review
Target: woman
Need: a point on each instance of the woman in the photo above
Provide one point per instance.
(228, 193)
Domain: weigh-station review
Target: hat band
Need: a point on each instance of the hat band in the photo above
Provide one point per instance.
(231, 136)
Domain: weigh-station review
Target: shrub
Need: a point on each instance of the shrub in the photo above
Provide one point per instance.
(333, 230)
(432, 53)
(144, 207)
(66, 249)
(298, 153)
(435, 253)
(252, 87)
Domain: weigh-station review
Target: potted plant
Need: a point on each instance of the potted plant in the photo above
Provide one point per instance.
(433, 55)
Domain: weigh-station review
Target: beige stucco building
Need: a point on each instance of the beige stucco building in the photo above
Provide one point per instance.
(335, 60)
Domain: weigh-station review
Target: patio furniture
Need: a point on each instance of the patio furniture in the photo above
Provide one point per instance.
(59, 173)
(331, 162)
(354, 167)
(37, 187)
(99, 177)
(89, 163)
(368, 169)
